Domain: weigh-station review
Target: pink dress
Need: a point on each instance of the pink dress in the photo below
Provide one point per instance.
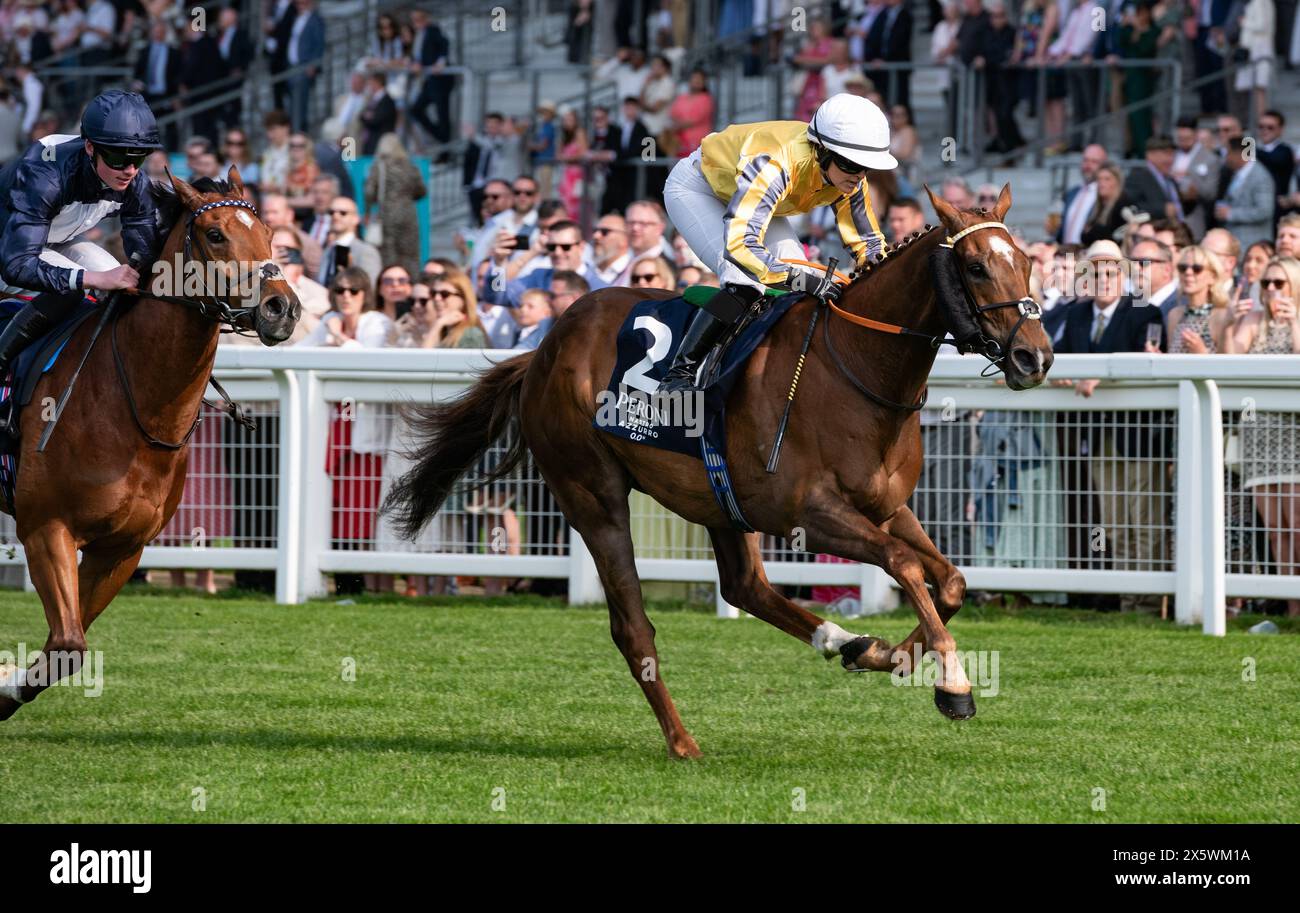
(695, 109)
(811, 96)
(571, 185)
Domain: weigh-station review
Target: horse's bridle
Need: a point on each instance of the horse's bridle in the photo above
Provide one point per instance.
(1029, 309)
(986, 345)
(239, 319)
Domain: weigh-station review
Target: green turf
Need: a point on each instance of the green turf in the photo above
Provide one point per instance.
(454, 699)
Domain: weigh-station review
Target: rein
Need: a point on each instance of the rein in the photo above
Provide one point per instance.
(990, 348)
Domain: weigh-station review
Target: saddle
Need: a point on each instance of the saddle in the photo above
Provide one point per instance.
(19, 385)
(693, 424)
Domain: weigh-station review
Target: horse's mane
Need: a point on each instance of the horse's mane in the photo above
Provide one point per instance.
(872, 266)
(170, 208)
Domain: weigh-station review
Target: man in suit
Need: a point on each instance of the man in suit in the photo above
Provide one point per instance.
(1211, 48)
(306, 48)
(1196, 171)
(236, 50)
(1246, 208)
(1151, 188)
(201, 65)
(1117, 457)
(480, 163)
(380, 114)
(1079, 200)
(323, 191)
(429, 57)
(158, 76)
(345, 248)
(277, 28)
(890, 41)
(1278, 157)
(626, 142)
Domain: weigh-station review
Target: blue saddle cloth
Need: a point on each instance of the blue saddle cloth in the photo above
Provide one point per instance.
(19, 383)
(630, 407)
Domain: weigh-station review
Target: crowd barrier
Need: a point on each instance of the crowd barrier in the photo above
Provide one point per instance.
(1042, 491)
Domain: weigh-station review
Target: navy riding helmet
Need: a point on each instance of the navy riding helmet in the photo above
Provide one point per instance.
(120, 119)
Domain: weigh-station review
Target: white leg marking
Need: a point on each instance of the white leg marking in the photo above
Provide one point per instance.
(829, 637)
(12, 680)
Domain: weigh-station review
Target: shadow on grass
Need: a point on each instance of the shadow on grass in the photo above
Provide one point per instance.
(514, 745)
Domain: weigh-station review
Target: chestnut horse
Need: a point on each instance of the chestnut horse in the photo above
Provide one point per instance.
(114, 469)
(851, 461)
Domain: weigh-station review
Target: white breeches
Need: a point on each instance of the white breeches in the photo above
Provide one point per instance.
(698, 214)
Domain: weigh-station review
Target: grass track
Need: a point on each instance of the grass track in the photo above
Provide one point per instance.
(456, 698)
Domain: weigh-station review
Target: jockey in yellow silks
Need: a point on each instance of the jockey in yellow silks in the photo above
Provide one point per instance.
(730, 197)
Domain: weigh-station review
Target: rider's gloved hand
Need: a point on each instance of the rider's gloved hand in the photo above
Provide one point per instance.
(815, 282)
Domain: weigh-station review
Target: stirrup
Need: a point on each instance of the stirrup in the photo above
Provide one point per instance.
(681, 378)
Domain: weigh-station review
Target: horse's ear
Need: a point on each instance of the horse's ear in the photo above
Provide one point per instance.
(946, 211)
(1004, 202)
(235, 181)
(187, 194)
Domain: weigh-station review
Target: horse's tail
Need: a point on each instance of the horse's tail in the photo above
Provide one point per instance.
(449, 437)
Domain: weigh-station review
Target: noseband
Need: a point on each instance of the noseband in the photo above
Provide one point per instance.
(1029, 309)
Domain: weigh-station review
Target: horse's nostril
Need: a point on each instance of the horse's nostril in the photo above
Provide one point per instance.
(276, 306)
(1025, 360)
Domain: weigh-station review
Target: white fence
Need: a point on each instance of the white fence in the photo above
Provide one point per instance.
(1038, 491)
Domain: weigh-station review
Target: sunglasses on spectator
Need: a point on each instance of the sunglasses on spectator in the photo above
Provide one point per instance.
(442, 293)
(1147, 261)
(553, 247)
(348, 290)
(494, 196)
(1197, 268)
(524, 191)
(121, 159)
(421, 301)
(604, 231)
(236, 142)
(341, 212)
(644, 277)
(1278, 284)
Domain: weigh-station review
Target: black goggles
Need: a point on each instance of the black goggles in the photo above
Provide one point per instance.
(120, 159)
(844, 164)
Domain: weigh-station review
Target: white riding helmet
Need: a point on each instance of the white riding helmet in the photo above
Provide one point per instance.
(853, 127)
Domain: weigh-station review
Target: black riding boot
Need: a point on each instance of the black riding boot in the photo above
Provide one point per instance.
(702, 333)
(29, 324)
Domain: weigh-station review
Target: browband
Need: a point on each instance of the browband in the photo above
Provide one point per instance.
(953, 239)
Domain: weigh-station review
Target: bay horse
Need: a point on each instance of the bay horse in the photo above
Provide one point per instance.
(853, 448)
(114, 469)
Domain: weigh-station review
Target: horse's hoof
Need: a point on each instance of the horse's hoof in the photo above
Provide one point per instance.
(955, 706)
(8, 707)
(685, 748)
(866, 654)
